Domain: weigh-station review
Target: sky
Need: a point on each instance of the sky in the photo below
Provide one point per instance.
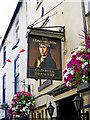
(7, 8)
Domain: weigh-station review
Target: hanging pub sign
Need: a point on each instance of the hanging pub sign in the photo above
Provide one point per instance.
(44, 54)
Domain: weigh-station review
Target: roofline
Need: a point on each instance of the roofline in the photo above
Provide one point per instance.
(11, 22)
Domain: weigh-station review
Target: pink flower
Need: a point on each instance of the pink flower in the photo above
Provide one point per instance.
(16, 95)
(14, 117)
(13, 106)
(84, 57)
(23, 92)
(78, 54)
(69, 65)
(79, 62)
(19, 93)
(65, 80)
(81, 75)
(89, 56)
(30, 94)
(26, 94)
(15, 100)
(76, 69)
(9, 110)
(86, 53)
(64, 71)
(69, 77)
(9, 115)
(73, 61)
(84, 71)
(32, 108)
(20, 114)
(78, 82)
(14, 113)
(74, 57)
(70, 87)
(72, 52)
(20, 107)
(87, 66)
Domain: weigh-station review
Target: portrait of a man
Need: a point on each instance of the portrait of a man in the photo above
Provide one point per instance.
(45, 59)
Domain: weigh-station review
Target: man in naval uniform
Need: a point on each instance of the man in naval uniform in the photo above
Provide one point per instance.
(45, 59)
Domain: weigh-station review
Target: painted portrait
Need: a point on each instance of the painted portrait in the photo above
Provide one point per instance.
(44, 57)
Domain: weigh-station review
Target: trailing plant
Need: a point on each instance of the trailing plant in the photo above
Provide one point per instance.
(76, 71)
(21, 106)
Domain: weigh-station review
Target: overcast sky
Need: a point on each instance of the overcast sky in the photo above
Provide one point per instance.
(7, 8)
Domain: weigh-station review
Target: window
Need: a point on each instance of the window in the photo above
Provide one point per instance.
(29, 90)
(4, 55)
(17, 32)
(4, 87)
(16, 73)
(87, 4)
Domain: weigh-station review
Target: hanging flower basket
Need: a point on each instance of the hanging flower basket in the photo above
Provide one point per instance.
(76, 71)
(21, 106)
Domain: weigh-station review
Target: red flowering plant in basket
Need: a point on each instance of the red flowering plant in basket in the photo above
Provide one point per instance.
(76, 71)
(22, 104)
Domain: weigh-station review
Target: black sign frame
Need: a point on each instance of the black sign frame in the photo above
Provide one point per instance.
(44, 73)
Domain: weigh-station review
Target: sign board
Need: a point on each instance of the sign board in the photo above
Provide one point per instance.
(44, 55)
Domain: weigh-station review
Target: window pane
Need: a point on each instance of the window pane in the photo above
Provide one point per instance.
(4, 55)
(87, 6)
(4, 86)
(16, 69)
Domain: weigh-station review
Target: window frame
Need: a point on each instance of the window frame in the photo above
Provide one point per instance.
(4, 55)
(16, 74)
(86, 5)
(4, 87)
(17, 31)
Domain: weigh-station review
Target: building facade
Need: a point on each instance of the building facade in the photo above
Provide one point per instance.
(48, 15)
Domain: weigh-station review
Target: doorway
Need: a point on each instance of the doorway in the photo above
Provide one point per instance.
(66, 109)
